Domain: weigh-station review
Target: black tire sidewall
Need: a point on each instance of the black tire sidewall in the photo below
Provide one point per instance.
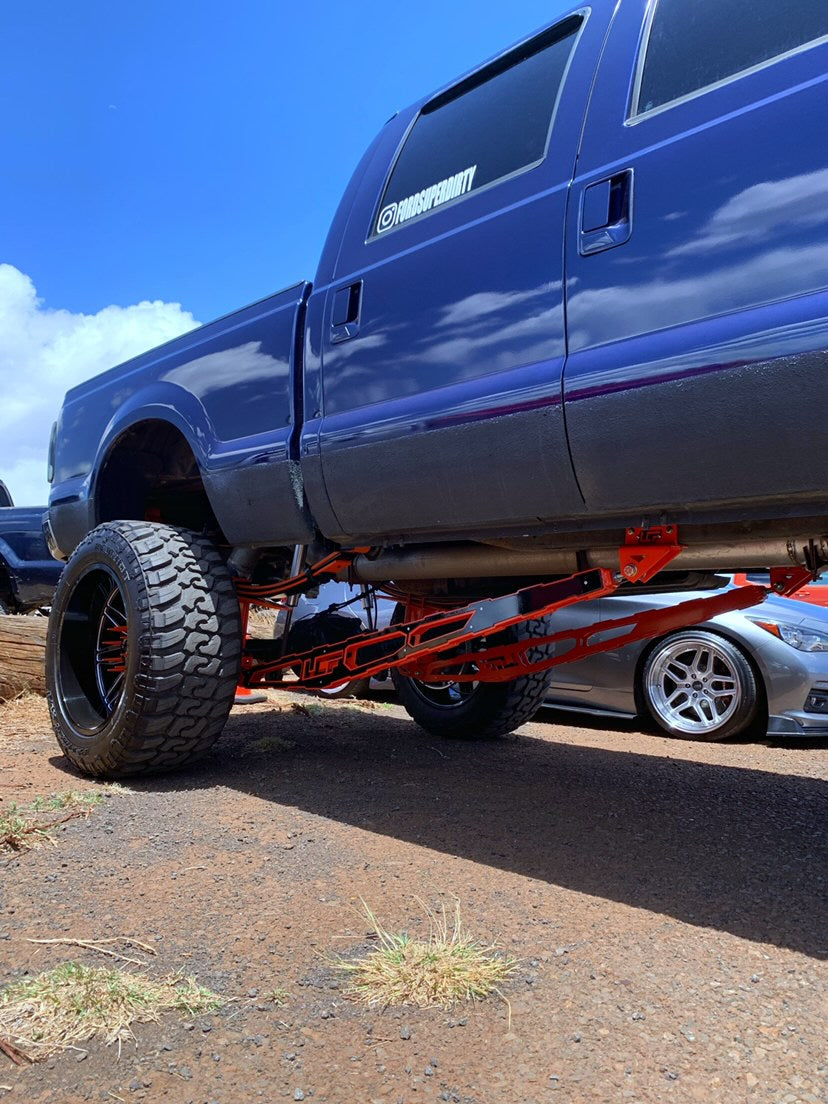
(182, 657)
(462, 721)
(112, 551)
(492, 708)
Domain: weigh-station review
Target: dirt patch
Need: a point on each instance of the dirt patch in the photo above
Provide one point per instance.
(664, 902)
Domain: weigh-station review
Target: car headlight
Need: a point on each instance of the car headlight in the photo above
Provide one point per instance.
(799, 637)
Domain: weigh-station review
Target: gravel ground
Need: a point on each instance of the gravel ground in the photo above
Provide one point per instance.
(665, 900)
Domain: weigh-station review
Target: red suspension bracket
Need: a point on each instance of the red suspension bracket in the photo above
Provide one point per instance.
(647, 551)
(424, 638)
(510, 661)
(788, 580)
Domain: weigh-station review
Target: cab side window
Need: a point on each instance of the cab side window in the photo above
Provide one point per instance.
(692, 45)
(487, 128)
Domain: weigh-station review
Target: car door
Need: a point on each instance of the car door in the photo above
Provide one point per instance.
(697, 262)
(443, 331)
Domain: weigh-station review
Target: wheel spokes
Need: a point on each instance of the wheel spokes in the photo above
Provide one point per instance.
(693, 686)
(111, 647)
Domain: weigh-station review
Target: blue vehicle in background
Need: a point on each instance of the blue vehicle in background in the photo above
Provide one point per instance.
(28, 574)
(580, 292)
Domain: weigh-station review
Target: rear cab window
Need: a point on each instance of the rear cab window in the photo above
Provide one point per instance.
(484, 130)
(692, 47)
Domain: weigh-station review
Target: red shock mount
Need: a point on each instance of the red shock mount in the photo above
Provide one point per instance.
(461, 645)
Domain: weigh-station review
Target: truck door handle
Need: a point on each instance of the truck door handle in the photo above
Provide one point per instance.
(606, 213)
(347, 302)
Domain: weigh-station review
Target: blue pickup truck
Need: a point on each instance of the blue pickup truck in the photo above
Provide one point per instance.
(582, 288)
(28, 574)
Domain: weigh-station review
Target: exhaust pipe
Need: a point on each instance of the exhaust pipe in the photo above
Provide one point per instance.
(478, 561)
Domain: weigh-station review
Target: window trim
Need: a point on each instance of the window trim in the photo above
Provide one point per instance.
(635, 116)
(501, 64)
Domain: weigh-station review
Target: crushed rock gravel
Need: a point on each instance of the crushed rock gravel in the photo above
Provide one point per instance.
(666, 902)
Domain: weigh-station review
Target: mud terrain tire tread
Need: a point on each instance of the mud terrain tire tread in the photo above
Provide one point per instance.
(492, 709)
(183, 657)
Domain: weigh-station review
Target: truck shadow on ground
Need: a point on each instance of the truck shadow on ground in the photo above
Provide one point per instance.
(739, 850)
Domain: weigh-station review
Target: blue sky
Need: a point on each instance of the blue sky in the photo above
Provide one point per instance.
(166, 162)
(194, 152)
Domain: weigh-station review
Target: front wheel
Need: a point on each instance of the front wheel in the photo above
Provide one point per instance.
(701, 686)
(476, 710)
(143, 650)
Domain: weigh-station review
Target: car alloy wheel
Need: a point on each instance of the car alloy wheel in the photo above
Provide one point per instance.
(700, 685)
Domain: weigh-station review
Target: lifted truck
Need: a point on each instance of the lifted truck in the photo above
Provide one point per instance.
(28, 574)
(567, 308)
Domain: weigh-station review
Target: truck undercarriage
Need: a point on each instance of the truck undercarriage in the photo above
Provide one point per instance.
(450, 644)
(148, 643)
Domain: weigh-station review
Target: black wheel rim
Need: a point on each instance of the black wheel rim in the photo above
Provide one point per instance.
(447, 695)
(93, 652)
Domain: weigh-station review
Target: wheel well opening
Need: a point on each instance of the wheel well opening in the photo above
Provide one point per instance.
(151, 474)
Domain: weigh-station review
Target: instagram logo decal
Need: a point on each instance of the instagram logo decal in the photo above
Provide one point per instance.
(426, 200)
(386, 217)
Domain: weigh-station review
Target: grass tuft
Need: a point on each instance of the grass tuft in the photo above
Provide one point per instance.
(71, 799)
(14, 827)
(74, 1003)
(440, 971)
(272, 743)
(23, 828)
(277, 996)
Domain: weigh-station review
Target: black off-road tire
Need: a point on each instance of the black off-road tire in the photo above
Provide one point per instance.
(481, 710)
(160, 699)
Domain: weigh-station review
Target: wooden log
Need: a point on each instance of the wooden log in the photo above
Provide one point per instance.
(22, 655)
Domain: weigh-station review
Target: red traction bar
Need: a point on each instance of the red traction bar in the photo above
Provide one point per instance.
(451, 645)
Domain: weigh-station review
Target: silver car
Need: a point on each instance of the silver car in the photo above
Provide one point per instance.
(760, 670)
(763, 669)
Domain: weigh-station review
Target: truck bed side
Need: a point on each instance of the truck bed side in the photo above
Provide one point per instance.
(209, 420)
(28, 574)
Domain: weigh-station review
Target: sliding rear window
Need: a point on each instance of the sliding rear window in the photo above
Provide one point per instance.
(491, 126)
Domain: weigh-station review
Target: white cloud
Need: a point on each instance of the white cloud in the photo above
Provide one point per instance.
(44, 352)
(772, 207)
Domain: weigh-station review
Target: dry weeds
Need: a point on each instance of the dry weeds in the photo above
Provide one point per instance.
(23, 828)
(73, 1003)
(442, 970)
(22, 716)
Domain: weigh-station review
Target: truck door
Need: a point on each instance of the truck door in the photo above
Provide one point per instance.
(697, 260)
(439, 402)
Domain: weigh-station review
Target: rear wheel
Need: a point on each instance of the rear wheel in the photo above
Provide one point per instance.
(143, 650)
(476, 710)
